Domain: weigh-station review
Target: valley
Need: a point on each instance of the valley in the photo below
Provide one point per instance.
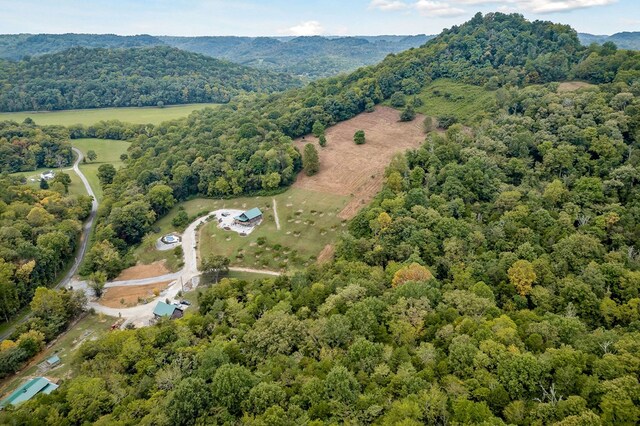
(448, 235)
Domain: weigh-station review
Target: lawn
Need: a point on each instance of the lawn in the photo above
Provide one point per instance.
(88, 328)
(75, 188)
(308, 223)
(466, 102)
(144, 115)
(108, 151)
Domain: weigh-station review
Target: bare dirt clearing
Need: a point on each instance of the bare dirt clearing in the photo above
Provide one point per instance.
(131, 295)
(571, 86)
(137, 272)
(357, 170)
(326, 254)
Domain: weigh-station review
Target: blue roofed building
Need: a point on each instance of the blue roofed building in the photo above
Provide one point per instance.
(28, 390)
(249, 218)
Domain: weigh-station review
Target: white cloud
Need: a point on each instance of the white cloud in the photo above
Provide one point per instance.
(388, 4)
(307, 28)
(436, 8)
(541, 6)
(454, 7)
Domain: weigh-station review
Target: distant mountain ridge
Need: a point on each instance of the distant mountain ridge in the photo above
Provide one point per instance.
(624, 40)
(312, 56)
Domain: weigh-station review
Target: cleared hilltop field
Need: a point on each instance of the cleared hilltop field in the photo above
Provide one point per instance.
(87, 117)
(357, 171)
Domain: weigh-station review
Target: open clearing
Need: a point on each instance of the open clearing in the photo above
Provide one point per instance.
(347, 169)
(308, 222)
(137, 272)
(466, 102)
(572, 86)
(108, 151)
(144, 115)
(131, 295)
(75, 188)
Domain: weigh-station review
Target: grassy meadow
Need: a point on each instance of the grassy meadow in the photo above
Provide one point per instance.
(466, 102)
(308, 223)
(75, 188)
(108, 151)
(143, 115)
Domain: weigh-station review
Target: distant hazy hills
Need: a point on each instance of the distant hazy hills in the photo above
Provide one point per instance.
(309, 56)
(624, 40)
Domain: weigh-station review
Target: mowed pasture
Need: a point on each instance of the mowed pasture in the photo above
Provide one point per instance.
(87, 117)
(357, 171)
(308, 222)
(108, 151)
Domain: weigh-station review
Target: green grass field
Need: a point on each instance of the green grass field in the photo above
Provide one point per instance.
(466, 102)
(144, 115)
(108, 151)
(307, 219)
(88, 328)
(76, 187)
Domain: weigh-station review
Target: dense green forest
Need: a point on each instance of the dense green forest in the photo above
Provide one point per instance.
(312, 57)
(494, 280)
(39, 231)
(25, 146)
(95, 78)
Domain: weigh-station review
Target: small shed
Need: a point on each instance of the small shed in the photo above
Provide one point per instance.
(53, 361)
(249, 218)
(163, 309)
(28, 390)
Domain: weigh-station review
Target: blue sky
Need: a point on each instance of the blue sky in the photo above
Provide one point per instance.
(301, 17)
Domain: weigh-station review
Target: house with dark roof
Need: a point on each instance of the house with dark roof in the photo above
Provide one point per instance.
(28, 390)
(249, 218)
(163, 309)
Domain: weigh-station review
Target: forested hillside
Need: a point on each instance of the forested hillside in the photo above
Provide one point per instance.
(494, 280)
(624, 40)
(39, 230)
(25, 147)
(94, 78)
(312, 57)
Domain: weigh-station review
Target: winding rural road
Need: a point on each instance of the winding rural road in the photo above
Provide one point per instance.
(84, 240)
(86, 230)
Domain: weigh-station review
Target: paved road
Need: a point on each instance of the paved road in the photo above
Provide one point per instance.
(141, 314)
(86, 230)
(84, 239)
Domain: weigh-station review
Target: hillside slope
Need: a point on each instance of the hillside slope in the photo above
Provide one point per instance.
(94, 78)
(312, 57)
(494, 280)
(624, 40)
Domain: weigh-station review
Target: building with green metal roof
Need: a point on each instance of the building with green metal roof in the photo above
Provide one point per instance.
(28, 390)
(250, 217)
(163, 309)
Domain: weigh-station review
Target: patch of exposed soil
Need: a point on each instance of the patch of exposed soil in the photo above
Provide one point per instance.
(357, 170)
(326, 254)
(137, 272)
(131, 295)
